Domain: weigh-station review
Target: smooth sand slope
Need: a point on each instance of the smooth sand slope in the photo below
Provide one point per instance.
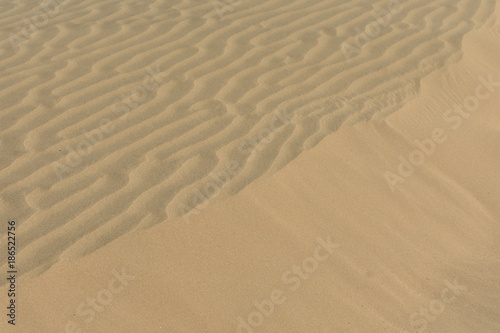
(295, 141)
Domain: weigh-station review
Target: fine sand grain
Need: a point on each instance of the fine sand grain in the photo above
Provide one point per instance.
(251, 166)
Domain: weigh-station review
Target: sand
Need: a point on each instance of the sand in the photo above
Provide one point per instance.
(250, 166)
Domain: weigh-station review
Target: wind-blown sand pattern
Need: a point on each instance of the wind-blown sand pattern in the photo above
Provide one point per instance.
(294, 126)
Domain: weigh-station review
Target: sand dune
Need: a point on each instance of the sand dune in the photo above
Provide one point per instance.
(221, 82)
(207, 149)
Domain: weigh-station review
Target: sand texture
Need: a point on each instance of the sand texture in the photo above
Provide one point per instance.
(251, 166)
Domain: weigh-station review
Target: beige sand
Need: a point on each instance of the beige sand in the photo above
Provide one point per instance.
(257, 135)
